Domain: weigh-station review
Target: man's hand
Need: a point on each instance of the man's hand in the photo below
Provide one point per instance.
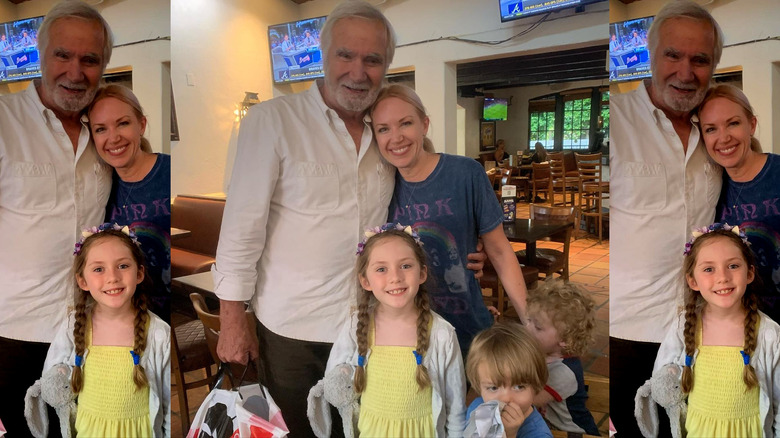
(512, 417)
(236, 339)
(476, 260)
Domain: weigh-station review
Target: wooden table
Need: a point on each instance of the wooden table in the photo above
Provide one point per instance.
(202, 283)
(178, 233)
(528, 231)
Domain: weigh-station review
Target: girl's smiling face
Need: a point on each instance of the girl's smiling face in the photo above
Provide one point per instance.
(721, 274)
(110, 274)
(393, 274)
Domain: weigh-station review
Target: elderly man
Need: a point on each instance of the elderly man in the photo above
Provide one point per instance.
(52, 184)
(307, 181)
(663, 185)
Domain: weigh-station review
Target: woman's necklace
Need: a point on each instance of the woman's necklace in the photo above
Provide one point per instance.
(736, 200)
(127, 196)
(409, 198)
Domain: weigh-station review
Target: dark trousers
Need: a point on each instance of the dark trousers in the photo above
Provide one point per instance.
(21, 364)
(290, 368)
(630, 365)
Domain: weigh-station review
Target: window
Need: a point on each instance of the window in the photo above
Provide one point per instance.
(576, 122)
(604, 114)
(542, 123)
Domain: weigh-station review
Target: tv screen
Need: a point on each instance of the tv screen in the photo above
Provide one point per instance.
(629, 58)
(295, 50)
(494, 109)
(514, 9)
(19, 58)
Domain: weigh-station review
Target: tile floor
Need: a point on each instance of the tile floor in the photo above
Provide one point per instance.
(589, 267)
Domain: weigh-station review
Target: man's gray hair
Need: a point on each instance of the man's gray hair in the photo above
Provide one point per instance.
(362, 9)
(684, 9)
(75, 9)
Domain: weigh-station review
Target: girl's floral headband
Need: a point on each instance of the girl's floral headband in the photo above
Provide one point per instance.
(370, 232)
(697, 232)
(99, 229)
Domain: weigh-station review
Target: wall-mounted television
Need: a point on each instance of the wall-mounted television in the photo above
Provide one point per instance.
(629, 58)
(295, 50)
(494, 109)
(19, 59)
(515, 9)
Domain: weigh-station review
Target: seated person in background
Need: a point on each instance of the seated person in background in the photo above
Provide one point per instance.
(614, 44)
(4, 44)
(309, 40)
(500, 154)
(540, 154)
(287, 45)
(561, 318)
(506, 364)
(26, 40)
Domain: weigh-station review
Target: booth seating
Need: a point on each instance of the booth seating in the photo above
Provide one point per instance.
(202, 216)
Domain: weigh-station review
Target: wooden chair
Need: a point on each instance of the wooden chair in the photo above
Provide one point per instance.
(559, 181)
(190, 352)
(505, 178)
(497, 296)
(550, 261)
(593, 190)
(540, 180)
(210, 322)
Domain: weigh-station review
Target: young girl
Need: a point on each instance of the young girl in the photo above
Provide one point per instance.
(506, 363)
(728, 349)
(118, 350)
(408, 367)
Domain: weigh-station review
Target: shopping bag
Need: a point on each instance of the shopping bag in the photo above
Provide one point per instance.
(258, 416)
(245, 412)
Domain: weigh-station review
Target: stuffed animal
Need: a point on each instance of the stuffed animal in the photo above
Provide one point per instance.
(53, 388)
(663, 389)
(335, 389)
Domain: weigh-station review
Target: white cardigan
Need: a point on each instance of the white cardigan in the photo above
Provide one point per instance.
(445, 368)
(156, 361)
(765, 360)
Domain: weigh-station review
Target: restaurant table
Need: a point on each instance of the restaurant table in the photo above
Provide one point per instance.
(528, 231)
(178, 233)
(202, 283)
(523, 184)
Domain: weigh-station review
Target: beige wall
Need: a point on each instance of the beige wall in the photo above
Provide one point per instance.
(150, 20)
(745, 24)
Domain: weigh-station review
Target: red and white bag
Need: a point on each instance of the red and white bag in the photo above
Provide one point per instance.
(246, 412)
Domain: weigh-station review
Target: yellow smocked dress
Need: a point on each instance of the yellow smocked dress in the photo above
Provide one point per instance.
(719, 406)
(392, 404)
(109, 404)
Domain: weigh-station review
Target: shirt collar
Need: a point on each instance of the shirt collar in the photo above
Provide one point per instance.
(32, 94)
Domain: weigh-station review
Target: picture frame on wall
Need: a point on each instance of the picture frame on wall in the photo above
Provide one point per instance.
(487, 135)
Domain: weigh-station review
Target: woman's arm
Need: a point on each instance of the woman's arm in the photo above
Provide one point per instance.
(504, 260)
